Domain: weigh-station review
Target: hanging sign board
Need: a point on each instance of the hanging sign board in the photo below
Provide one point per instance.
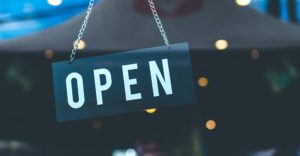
(123, 82)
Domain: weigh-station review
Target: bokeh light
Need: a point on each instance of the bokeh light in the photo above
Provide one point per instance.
(221, 44)
(15, 145)
(151, 111)
(48, 54)
(55, 2)
(255, 54)
(97, 124)
(131, 152)
(210, 125)
(243, 2)
(81, 44)
(202, 81)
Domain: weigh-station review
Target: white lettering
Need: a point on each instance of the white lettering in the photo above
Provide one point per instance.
(98, 86)
(155, 73)
(81, 97)
(128, 82)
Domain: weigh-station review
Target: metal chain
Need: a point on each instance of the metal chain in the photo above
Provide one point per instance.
(81, 31)
(89, 10)
(159, 24)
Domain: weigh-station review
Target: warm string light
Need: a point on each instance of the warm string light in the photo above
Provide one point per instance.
(243, 2)
(221, 44)
(81, 44)
(48, 54)
(202, 81)
(151, 111)
(255, 54)
(210, 124)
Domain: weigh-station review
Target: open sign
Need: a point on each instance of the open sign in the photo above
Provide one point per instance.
(156, 76)
(123, 82)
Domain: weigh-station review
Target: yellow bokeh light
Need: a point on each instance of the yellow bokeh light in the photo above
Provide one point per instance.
(151, 111)
(48, 54)
(255, 54)
(243, 2)
(203, 82)
(210, 124)
(97, 124)
(55, 2)
(81, 44)
(221, 44)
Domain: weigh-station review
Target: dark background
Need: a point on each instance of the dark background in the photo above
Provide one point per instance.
(254, 102)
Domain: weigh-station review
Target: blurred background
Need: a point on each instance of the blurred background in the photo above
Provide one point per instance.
(245, 57)
(23, 17)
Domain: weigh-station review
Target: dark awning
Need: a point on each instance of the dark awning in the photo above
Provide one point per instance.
(122, 25)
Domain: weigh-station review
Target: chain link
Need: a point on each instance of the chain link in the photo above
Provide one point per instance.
(81, 31)
(158, 22)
